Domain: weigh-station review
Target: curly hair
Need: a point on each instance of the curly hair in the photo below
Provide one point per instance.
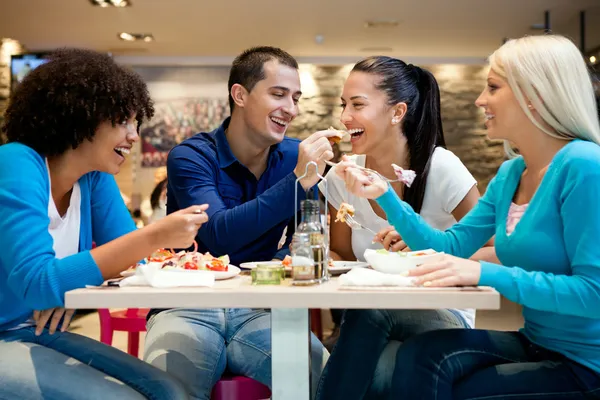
(62, 102)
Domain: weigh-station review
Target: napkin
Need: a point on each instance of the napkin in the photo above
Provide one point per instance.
(370, 277)
(152, 274)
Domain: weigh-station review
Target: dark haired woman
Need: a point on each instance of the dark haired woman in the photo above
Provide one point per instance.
(392, 111)
(70, 124)
(158, 201)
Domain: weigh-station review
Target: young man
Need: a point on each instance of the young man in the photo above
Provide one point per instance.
(246, 171)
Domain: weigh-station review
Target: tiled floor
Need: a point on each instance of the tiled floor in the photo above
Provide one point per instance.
(507, 318)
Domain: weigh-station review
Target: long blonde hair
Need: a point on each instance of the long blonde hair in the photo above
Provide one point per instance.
(550, 72)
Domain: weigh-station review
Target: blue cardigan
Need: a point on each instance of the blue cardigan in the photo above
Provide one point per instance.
(551, 262)
(31, 277)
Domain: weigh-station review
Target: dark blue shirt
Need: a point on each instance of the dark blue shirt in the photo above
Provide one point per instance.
(247, 216)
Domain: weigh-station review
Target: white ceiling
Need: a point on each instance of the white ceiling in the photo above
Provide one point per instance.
(461, 30)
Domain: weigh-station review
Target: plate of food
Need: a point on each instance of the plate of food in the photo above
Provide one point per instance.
(189, 261)
(392, 262)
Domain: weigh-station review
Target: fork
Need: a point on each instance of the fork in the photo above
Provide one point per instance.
(353, 224)
(332, 164)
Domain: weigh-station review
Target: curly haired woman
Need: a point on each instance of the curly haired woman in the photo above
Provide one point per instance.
(69, 126)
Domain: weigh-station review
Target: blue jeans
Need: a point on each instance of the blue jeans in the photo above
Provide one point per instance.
(477, 364)
(66, 366)
(198, 346)
(365, 354)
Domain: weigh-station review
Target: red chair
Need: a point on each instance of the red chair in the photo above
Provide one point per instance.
(132, 321)
(239, 388)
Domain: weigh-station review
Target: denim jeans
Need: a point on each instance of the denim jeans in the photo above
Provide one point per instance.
(66, 366)
(362, 362)
(198, 346)
(478, 364)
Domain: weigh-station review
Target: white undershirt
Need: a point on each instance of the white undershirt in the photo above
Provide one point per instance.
(448, 182)
(64, 229)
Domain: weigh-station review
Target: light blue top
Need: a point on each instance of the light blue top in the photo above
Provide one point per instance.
(31, 277)
(552, 259)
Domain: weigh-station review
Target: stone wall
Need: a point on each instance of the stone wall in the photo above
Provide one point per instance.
(8, 47)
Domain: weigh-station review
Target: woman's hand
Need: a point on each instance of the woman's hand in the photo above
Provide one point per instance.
(41, 318)
(359, 182)
(179, 229)
(447, 271)
(391, 240)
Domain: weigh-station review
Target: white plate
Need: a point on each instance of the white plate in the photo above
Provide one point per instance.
(339, 267)
(232, 271)
(252, 265)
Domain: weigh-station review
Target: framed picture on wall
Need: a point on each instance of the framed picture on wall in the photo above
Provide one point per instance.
(177, 120)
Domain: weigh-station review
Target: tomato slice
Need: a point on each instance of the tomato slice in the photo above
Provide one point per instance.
(190, 265)
(216, 265)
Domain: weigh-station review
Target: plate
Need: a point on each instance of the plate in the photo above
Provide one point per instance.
(232, 271)
(339, 267)
(252, 265)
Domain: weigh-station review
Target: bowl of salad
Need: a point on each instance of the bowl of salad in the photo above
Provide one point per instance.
(391, 262)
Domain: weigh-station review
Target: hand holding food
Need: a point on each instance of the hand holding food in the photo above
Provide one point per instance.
(317, 148)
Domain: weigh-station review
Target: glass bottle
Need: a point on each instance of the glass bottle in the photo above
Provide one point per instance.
(310, 238)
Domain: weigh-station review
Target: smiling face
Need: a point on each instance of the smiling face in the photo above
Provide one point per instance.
(110, 145)
(503, 114)
(366, 113)
(272, 104)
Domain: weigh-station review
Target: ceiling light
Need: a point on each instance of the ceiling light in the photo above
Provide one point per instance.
(592, 59)
(376, 49)
(134, 37)
(381, 24)
(111, 3)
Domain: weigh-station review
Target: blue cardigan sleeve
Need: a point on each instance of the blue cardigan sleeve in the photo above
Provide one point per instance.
(462, 239)
(577, 294)
(33, 272)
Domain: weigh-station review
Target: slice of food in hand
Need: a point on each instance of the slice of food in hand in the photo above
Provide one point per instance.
(339, 135)
(344, 210)
(405, 176)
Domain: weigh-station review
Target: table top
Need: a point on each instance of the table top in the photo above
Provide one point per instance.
(239, 292)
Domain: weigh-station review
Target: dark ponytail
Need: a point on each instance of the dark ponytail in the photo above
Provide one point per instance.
(422, 124)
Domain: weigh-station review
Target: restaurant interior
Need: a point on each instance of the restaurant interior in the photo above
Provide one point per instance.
(183, 50)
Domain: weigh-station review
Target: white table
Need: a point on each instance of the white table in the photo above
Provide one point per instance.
(289, 312)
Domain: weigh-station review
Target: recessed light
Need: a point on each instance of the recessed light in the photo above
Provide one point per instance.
(111, 3)
(382, 23)
(134, 37)
(377, 49)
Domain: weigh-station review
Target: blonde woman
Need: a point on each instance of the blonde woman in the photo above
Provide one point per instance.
(543, 209)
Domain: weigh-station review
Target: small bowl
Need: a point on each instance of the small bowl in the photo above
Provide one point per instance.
(398, 262)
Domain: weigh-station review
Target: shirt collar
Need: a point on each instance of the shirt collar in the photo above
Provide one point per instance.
(226, 157)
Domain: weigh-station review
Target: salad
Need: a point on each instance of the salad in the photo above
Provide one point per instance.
(187, 260)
